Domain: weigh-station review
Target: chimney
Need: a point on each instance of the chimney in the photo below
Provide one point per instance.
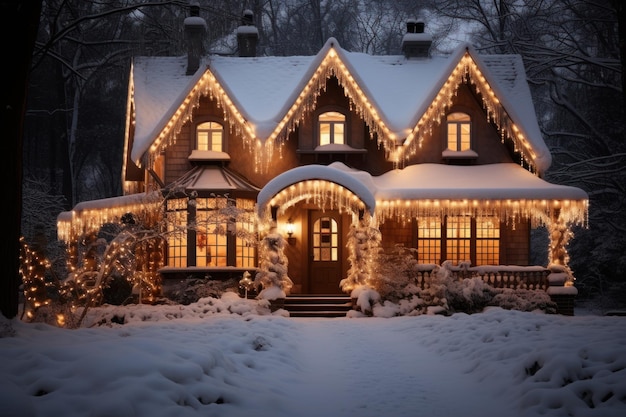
(247, 35)
(195, 29)
(416, 43)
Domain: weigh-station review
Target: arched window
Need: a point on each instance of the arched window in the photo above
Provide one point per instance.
(459, 132)
(325, 239)
(331, 127)
(210, 137)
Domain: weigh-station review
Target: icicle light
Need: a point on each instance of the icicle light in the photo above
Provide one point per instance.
(72, 224)
(466, 70)
(324, 194)
(398, 149)
(540, 212)
(207, 86)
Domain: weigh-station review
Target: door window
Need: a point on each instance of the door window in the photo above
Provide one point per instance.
(325, 239)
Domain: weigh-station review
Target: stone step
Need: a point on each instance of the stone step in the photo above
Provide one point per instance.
(318, 305)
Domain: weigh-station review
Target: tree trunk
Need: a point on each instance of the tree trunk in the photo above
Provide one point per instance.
(19, 21)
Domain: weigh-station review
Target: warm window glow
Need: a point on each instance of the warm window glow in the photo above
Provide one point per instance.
(177, 232)
(331, 128)
(211, 236)
(429, 240)
(487, 241)
(458, 234)
(209, 137)
(459, 132)
(325, 240)
(246, 250)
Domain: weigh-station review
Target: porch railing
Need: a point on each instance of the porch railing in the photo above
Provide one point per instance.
(497, 276)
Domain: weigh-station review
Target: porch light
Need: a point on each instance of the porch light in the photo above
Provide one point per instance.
(289, 229)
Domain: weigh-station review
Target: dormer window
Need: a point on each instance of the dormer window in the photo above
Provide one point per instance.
(210, 137)
(331, 128)
(459, 132)
(459, 138)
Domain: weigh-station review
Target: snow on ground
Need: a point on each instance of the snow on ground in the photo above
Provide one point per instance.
(203, 360)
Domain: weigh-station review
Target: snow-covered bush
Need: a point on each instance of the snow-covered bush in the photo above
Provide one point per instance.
(394, 273)
(447, 293)
(523, 300)
(365, 298)
(272, 274)
(363, 247)
(190, 290)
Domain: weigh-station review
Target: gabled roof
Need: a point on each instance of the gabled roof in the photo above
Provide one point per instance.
(264, 97)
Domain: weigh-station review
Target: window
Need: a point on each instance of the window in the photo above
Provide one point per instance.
(211, 236)
(459, 132)
(177, 232)
(219, 240)
(487, 241)
(331, 128)
(429, 240)
(245, 243)
(325, 239)
(458, 235)
(464, 239)
(210, 137)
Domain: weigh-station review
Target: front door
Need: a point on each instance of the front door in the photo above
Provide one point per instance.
(324, 252)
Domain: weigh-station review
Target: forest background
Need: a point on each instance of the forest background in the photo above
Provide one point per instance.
(573, 51)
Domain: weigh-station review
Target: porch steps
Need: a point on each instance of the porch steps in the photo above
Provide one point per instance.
(317, 305)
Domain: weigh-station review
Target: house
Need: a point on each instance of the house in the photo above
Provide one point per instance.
(439, 153)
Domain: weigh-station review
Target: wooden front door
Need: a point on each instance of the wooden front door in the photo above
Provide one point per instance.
(325, 252)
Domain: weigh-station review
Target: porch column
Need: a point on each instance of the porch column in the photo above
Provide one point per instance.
(561, 281)
(560, 234)
(191, 229)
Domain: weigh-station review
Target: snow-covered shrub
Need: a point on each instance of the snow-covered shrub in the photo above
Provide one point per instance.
(363, 247)
(523, 300)
(365, 297)
(190, 290)
(394, 273)
(272, 275)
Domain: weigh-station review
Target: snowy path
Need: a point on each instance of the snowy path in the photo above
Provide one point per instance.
(340, 384)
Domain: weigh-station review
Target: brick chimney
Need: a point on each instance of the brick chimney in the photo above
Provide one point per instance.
(195, 29)
(247, 35)
(416, 43)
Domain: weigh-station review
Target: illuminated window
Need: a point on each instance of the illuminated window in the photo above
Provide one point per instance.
(459, 132)
(429, 240)
(211, 236)
(176, 216)
(325, 239)
(458, 238)
(464, 239)
(245, 243)
(331, 128)
(210, 137)
(487, 241)
(219, 240)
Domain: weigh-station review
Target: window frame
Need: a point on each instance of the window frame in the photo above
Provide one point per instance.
(465, 120)
(430, 242)
(209, 144)
(332, 124)
(189, 247)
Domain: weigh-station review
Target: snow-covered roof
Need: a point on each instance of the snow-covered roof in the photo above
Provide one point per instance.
(215, 179)
(263, 91)
(495, 184)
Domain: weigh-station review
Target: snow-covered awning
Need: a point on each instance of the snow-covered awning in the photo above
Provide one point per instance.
(505, 190)
(208, 180)
(89, 216)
